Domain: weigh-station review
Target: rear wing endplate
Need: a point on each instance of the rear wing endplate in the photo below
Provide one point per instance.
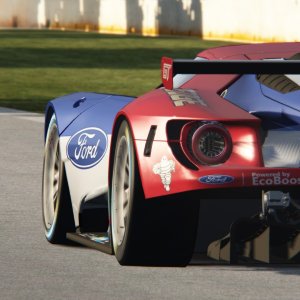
(170, 67)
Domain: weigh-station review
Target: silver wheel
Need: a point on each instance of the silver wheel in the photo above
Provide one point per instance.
(121, 189)
(51, 177)
(57, 208)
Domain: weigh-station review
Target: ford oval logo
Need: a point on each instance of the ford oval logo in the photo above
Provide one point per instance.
(216, 179)
(87, 147)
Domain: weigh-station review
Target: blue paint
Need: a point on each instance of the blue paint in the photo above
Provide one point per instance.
(102, 108)
(290, 99)
(101, 115)
(87, 147)
(276, 110)
(216, 179)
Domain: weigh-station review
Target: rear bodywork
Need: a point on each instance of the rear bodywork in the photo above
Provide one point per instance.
(256, 121)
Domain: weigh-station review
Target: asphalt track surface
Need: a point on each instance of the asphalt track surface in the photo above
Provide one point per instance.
(31, 268)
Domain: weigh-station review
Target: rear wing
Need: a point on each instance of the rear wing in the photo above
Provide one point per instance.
(170, 67)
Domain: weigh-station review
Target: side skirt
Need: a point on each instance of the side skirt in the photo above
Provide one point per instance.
(96, 240)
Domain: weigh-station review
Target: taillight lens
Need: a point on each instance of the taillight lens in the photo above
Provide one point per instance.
(207, 143)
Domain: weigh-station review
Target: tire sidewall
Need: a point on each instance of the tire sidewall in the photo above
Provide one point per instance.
(122, 249)
(52, 232)
(160, 231)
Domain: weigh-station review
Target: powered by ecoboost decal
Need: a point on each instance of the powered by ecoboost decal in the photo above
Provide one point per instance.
(276, 178)
(216, 179)
(87, 147)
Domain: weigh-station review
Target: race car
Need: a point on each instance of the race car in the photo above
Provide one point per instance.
(208, 162)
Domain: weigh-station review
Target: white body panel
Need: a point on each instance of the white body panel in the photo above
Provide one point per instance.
(85, 184)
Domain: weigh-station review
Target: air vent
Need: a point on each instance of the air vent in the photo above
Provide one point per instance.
(279, 83)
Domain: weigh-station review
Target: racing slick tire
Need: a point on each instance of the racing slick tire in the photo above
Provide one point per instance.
(57, 210)
(158, 231)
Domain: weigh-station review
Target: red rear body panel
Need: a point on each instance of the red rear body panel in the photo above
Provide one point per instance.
(252, 51)
(245, 166)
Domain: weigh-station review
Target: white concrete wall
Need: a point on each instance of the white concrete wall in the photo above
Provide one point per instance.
(255, 20)
(18, 13)
(260, 20)
(112, 16)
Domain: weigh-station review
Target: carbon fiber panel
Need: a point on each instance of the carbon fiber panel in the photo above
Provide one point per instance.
(282, 148)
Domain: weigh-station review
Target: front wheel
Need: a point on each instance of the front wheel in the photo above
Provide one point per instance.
(147, 232)
(57, 210)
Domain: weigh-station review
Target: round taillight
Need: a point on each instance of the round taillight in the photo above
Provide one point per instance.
(209, 143)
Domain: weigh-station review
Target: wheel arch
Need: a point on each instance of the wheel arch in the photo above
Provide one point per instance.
(114, 135)
(48, 115)
(139, 137)
(117, 123)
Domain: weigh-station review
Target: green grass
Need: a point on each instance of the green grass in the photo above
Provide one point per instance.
(36, 66)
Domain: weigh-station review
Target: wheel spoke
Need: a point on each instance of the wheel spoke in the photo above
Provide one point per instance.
(50, 211)
(56, 177)
(51, 176)
(126, 202)
(126, 173)
(55, 197)
(127, 166)
(126, 183)
(121, 189)
(57, 153)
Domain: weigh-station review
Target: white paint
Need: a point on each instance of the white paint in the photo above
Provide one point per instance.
(294, 77)
(84, 182)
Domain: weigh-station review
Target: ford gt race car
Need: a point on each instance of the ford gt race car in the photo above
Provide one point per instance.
(206, 163)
